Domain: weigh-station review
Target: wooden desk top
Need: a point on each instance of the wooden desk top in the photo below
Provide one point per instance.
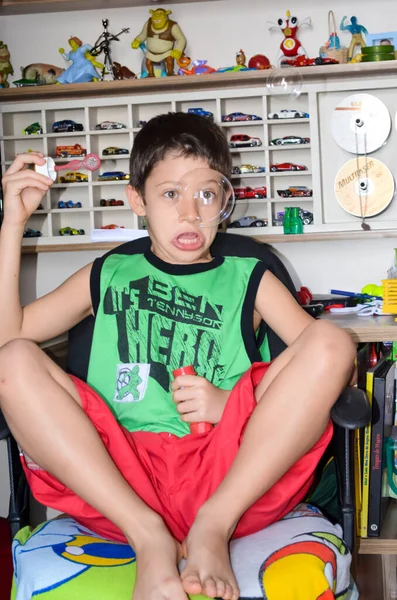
(366, 329)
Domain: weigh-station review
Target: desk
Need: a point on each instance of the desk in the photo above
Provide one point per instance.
(365, 329)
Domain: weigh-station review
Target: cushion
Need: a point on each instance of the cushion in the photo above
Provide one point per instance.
(302, 557)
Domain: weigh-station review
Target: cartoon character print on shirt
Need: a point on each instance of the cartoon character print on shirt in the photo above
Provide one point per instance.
(164, 326)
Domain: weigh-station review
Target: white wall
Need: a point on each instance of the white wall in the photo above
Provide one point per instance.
(215, 30)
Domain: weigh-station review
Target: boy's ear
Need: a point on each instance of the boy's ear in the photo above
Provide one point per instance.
(136, 202)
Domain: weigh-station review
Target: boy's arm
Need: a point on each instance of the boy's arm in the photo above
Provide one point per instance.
(56, 312)
(279, 309)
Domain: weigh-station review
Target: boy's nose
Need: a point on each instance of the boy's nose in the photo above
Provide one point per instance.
(187, 211)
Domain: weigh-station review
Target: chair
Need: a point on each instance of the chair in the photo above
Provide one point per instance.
(350, 411)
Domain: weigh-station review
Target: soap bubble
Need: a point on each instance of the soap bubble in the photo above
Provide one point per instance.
(285, 80)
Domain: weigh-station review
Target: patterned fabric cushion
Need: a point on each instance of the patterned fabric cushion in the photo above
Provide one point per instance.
(301, 557)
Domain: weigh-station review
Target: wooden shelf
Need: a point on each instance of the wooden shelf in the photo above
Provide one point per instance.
(189, 83)
(386, 543)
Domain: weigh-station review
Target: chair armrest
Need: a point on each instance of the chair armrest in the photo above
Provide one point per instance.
(4, 431)
(352, 409)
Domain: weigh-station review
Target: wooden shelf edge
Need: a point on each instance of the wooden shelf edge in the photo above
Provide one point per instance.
(387, 542)
(186, 83)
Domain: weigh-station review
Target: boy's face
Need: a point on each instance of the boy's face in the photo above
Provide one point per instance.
(173, 214)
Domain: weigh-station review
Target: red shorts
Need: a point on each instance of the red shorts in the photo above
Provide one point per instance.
(175, 476)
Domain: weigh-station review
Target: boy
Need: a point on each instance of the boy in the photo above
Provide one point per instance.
(140, 476)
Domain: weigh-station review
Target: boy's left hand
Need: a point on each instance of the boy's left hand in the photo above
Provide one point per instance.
(198, 400)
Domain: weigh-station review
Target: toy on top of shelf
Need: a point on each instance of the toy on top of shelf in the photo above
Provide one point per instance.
(83, 64)
(110, 125)
(71, 231)
(6, 67)
(357, 32)
(164, 40)
(246, 168)
(249, 192)
(259, 62)
(113, 176)
(73, 177)
(40, 74)
(69, 204)
(287, 166)
(305, 215)
(248, 222)
(239, 116)
(103, 45)
(111, 202)
(26, 82)
(290, 140)
(296, 191)
(33, 129)
(69, 151)
(29, 233)
(198, 67)
(200, 111)
(290, 46)
(241, 59)
(112, 226)
(122, 72)
(240, 64)
(66, 125)
(303, 61)
(288, 113)
(114, 150)
(241, 140)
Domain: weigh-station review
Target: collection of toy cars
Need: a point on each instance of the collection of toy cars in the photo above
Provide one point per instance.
(297, 191)
(113, 176)
(247, 169)
(73, 177)
(114, 151)
(249, 192)
(248, 222)
(287, 166)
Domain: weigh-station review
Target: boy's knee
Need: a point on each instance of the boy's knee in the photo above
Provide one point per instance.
(332, 345)
(15, 356)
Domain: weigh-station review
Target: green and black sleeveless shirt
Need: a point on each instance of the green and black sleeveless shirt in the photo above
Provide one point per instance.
(154, 317)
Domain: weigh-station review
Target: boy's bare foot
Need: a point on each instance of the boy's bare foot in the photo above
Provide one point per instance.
(157, 576)
(208, 570)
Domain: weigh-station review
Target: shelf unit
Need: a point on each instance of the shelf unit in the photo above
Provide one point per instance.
(129, 103)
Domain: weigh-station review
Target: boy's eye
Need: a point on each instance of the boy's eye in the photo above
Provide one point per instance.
(207, 196)
(171, 194)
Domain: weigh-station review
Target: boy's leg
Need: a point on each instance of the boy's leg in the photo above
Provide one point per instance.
(43, 411)
(294, 400)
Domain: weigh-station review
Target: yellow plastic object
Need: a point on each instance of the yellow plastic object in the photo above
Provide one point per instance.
(389, 295)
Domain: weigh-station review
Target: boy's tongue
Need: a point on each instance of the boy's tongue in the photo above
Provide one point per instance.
(188, 241)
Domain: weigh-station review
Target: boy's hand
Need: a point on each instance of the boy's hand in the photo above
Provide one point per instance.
(198, 400)
(23, 188)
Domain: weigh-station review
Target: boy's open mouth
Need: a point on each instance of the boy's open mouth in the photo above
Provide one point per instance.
(189, 240)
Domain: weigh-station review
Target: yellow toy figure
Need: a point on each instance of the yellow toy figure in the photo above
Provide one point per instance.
(164, 40)
(5, 65)
(83, 64)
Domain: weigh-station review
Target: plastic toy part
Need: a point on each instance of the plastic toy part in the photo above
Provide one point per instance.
(201, 427)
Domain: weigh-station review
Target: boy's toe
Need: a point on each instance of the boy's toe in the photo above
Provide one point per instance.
(191, 583)
(210, 587)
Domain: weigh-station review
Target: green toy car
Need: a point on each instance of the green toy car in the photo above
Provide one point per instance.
(71, 231)
(33, 129)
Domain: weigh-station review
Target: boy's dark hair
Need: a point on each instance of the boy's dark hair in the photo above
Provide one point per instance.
(183, 134)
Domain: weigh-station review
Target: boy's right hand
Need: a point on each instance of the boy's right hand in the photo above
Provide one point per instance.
(23, 188)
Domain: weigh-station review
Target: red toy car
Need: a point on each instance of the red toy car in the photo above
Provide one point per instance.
(112, 226)
(304, 61)
(287, 166)
(241, 140)
(111, 202)
(249, 192)
(297, 191)
(66, 151)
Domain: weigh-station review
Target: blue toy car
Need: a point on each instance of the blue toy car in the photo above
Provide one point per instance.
(66, 125)
(200, 111)
(69, 204)
(113, 176)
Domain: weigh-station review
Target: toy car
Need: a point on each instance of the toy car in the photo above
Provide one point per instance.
(142, 123)
(66, 151)
(303, 61)
(73, 177)
(201, 112)
(305, 215)
(71, 231)
(289, 113)
(111, 202)
(29, 233)
(248, 222)
(113, 150)
(249, 192)
(66, 125)
(287, 166)
(113, 176)
(295, 192)
(239, 116)
(241, 140)
(290, 139)
(112, 226)
(247, 169)
(110, 125)
(69, 204)
(33, 129)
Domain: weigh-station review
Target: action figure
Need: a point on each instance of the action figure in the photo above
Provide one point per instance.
(357, 32)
